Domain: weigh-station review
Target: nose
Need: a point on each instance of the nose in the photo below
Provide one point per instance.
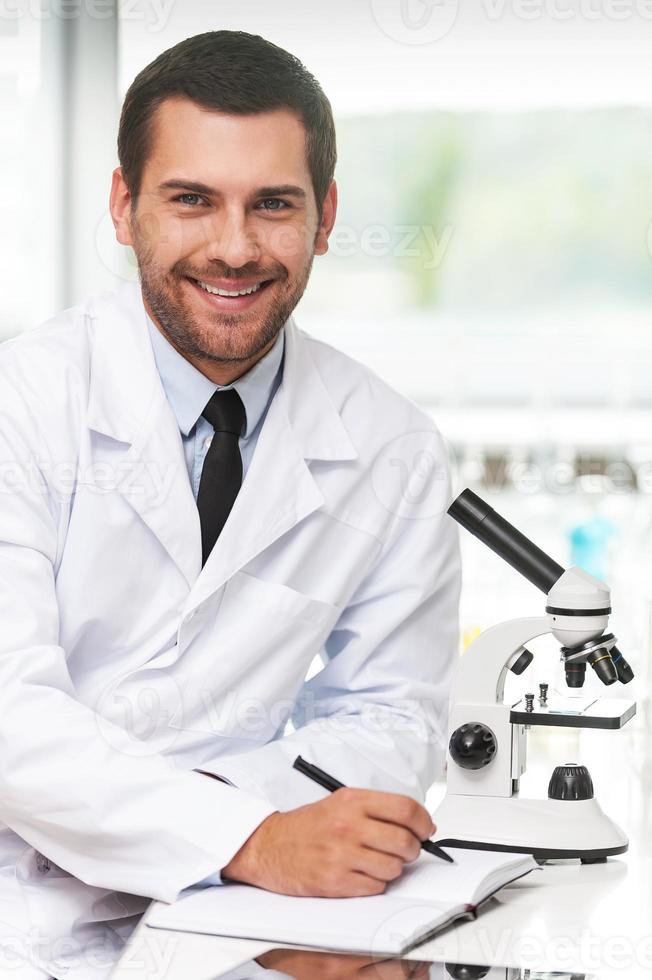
(231, 239)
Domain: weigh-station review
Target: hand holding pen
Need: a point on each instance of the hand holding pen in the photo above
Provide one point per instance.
(331, 784)
(349, 844)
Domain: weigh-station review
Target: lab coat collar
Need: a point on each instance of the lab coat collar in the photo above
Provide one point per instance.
(125, 388)
(127, 403)
(188, 390)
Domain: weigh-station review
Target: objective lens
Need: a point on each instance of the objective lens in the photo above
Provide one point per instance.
(623, 670)
(603, 665)
(575, 673)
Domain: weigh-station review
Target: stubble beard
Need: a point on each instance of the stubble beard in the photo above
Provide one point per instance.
(223, 338)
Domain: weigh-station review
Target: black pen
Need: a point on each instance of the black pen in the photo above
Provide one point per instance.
(330, 783)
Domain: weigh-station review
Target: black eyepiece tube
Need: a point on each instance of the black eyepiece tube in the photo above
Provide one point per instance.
(480, 519)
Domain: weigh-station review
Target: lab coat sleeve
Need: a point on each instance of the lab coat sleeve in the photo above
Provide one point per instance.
(78, 788)
(214, 879)
(376, 715)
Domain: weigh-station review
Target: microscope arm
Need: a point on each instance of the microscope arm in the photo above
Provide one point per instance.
(481, 671)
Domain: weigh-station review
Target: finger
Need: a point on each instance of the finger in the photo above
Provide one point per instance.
(357, 884)
(391, 839)
(401, 810)
(396, 970)
(415, 969)
(376, 864)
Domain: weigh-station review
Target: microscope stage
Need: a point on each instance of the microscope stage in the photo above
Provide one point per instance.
(571, 712)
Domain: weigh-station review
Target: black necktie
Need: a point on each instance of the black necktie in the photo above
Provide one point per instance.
(221, 475)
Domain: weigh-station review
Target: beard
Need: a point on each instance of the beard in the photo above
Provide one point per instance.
(223, 338)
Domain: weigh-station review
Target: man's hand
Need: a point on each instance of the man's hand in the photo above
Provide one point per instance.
(351, 843)
(306, 965)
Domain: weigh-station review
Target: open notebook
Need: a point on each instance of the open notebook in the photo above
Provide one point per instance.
(429, 895)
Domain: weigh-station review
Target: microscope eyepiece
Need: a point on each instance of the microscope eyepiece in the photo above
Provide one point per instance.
(480, 519)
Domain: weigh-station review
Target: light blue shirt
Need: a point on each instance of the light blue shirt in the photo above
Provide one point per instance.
(188, 391)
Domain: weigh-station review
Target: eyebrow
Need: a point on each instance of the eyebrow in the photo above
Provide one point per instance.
(178, 183)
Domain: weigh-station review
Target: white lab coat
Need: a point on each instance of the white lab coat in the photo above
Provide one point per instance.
(124, 665)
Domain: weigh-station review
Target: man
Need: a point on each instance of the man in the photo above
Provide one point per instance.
(198, 499)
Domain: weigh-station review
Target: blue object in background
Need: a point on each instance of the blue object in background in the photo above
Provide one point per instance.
(589, 543)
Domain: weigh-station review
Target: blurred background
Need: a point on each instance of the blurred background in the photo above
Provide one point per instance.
(491, 258)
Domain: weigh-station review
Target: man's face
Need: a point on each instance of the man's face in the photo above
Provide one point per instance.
(237, 230)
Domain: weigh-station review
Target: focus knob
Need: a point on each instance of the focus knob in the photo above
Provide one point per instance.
(460, 971)
(472, 746)
(570, 782)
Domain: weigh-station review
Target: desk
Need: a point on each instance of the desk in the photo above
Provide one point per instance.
(586, 919)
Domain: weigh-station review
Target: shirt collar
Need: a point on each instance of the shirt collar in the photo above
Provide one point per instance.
(188, 390)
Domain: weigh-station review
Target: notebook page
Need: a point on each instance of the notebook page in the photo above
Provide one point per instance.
(375, 924)
(474, 875)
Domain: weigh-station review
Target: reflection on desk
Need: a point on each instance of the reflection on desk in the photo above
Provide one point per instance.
(581, 921)
(302, 964)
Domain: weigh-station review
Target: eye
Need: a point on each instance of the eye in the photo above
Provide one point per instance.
(188, 194)
(276, 200)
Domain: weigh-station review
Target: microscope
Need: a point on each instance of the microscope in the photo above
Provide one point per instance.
(460, 971)
(482, 807)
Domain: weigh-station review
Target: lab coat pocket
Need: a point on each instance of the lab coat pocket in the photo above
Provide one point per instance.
(263, 596)
(243, 671)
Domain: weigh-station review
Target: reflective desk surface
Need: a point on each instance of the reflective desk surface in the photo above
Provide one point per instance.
(566, 920)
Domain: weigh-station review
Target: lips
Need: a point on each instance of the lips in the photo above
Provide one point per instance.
(231, 285)
(228, 303)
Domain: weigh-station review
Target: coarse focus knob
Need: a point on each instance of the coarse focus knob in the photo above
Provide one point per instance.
(460, 971)
(570, 782)
(473, 745)
(522, 662)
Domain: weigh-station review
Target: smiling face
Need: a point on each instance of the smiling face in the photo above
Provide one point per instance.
(226, 202)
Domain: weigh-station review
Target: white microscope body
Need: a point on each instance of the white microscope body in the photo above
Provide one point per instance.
(487, 748)
(460, 971)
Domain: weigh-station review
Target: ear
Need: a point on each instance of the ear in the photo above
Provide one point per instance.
(120, 207)
(329, 211)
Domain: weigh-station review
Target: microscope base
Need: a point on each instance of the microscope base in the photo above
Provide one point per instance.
(546, 828)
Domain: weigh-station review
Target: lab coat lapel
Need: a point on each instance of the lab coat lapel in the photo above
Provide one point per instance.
(279, 491)
(166, 503)
(128, 405)
(143, 455)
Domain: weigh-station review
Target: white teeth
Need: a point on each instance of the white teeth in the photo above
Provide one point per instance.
(224, 292)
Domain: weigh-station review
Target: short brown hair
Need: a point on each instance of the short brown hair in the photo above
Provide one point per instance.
(232, 72)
